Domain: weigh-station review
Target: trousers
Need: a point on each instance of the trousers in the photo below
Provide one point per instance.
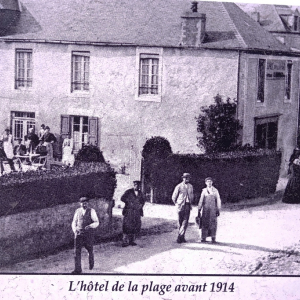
(87, 241)
(183, 219)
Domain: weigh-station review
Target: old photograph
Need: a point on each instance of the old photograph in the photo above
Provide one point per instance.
(155, 137)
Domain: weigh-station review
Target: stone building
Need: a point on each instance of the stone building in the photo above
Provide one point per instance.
(115, 73)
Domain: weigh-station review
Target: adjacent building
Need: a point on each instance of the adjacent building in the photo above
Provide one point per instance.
(114, 73)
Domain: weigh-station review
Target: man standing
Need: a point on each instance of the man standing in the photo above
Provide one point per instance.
(183, 197)
(33, 139)
(84, 222)
(8, 148)
(132, 212)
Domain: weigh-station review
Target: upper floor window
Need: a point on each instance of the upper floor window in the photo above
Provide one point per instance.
(149, 74)
(148, 83)
(23, 73)
(261, 80)
(80, 71)
(288, 80)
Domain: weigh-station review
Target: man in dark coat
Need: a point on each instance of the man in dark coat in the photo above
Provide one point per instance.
(132, 212)
(33, 139)
(84, 223)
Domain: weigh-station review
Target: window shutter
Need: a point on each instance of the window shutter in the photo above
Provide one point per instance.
(93, 131)
(252, 88)
(65, 126)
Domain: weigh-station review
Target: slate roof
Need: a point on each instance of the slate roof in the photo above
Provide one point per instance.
(274, 18)
(137, 22)
(9, 4)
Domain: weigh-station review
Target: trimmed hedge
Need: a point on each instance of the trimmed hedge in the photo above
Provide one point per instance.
(237, 175)
(22, 192)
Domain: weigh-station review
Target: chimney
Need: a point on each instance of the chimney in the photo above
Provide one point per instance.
(193, 27)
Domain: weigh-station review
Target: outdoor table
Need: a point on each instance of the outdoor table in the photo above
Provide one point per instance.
(25, 161)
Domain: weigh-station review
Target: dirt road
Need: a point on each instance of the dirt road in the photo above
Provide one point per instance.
(249, 239)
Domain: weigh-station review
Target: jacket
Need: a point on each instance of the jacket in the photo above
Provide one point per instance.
(180, 194)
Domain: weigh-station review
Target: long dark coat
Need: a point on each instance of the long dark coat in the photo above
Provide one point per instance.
(292, 190)
(132, 211)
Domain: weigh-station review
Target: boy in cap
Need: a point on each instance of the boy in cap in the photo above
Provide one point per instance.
(183, 197)
(84, 222)
(132, 212)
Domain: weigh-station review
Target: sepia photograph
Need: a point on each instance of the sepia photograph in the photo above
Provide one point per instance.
(149, 149)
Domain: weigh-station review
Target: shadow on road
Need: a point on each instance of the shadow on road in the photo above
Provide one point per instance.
(214, 247)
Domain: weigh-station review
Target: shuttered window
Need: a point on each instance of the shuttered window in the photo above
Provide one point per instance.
(83, 130)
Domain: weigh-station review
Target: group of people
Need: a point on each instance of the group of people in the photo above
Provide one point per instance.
(209, 207)
(41, 143)
(85, 219)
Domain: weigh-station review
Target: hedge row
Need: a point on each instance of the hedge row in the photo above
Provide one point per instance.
(41, 189)
(237, 176)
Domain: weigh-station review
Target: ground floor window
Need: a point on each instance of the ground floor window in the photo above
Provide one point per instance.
(83, 130)
(21, 122)
(266, 130)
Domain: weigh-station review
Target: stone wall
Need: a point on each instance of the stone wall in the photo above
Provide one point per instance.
(34, 233)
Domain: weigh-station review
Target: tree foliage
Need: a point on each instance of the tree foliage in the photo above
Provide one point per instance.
(218, 126)
(156, 147)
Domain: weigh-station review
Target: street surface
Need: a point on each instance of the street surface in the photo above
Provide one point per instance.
(251, 239)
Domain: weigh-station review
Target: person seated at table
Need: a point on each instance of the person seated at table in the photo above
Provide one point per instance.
(33, 140)
(19, 149)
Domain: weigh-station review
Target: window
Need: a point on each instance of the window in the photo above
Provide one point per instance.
(261, 80)
(266, 132)
(80, 71)
(148, 77)
(148, 83)
(23, 77)
(83, 130)
(21, 122)
(288, 80)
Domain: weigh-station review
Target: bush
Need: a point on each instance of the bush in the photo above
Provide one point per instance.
(158, 147)
(90, 153)
(218, 125)
(40, 189)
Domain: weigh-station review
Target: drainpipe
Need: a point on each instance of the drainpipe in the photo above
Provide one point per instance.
(238, 89)
(298, 114)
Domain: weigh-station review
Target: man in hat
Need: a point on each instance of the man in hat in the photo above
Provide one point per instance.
(84, 223)
(183, 197)
(132, 212)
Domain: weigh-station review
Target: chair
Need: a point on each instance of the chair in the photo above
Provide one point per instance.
(39, 163)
